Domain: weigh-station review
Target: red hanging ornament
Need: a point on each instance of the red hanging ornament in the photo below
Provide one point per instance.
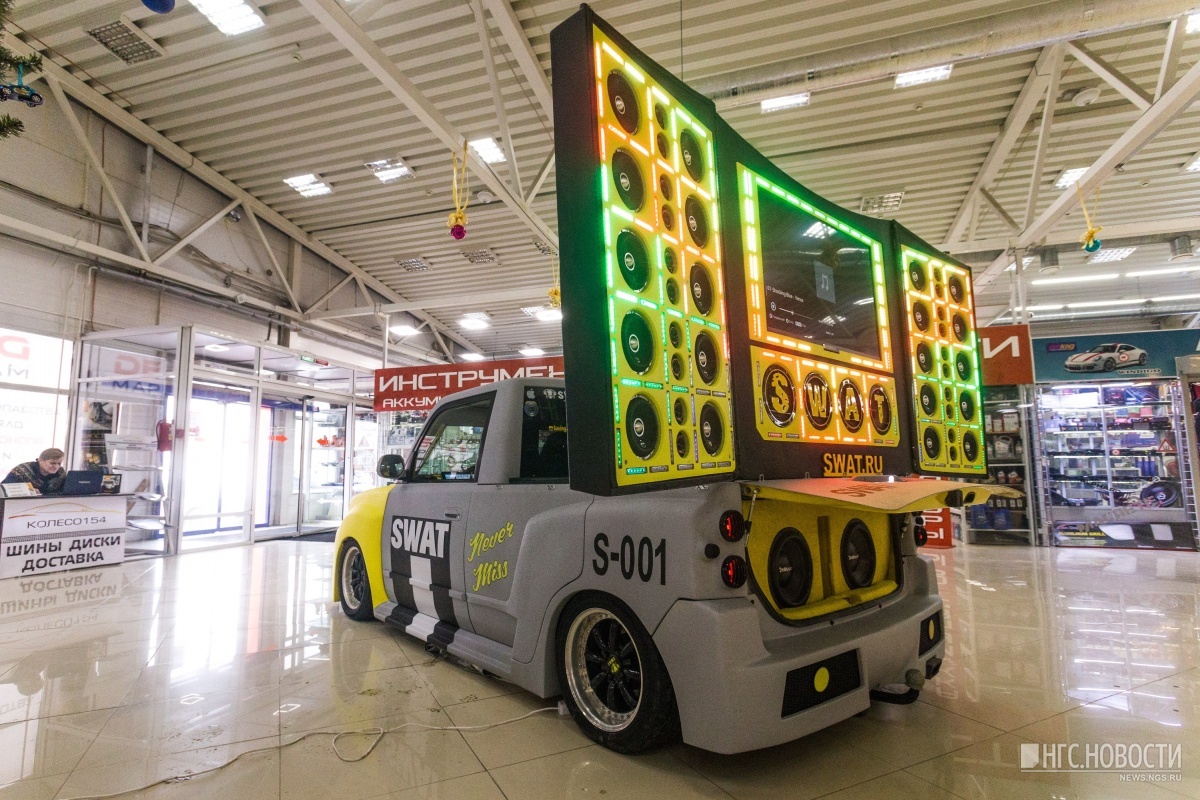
(458, 188)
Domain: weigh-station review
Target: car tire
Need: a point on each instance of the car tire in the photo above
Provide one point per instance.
(1109, 365)
(354, 583)
(612, 677)
(1142, 359)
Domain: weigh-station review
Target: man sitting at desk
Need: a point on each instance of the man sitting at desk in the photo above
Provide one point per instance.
(46, 473)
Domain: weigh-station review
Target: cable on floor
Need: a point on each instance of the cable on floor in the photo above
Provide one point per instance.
(377, 733)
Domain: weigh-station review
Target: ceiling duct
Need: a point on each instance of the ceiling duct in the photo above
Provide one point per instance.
(999, 34)
(1048, 262)
(127, 41)
(1181, 247)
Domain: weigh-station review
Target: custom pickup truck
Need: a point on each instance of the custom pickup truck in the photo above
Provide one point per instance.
(734, 615)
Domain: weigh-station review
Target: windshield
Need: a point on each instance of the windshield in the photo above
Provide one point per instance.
(1104, 348)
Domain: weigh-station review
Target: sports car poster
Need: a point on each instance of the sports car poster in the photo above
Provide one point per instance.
(1112, 356)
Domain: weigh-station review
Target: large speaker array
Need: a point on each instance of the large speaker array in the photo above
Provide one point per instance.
(666, 299)
(943, 351)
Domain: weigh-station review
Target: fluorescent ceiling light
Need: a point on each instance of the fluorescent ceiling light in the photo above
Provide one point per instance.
(1193, 23)
(818, 230)
(1110, 255)
(532, 351)
(403, 330)
(1150, 273)
(1194, 164)
(308, 185)
(787, 101)
(1100, 303)
(390, 169)
(917, 77)
(1025, 262)
(1172, 298)
(549, 315)
(230, 16)
(475, 321)
(488, 150)
(864, 301)
(880, 203)
(215, 348)
(1041, 308)
(472, 357)
(1068, 177)
(1076, 279)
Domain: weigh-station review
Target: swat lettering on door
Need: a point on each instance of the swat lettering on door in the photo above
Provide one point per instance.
(422, 537)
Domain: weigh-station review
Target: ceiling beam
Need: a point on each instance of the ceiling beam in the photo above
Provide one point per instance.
(1173, 103)
(489, 63)
(91, 99)
(1043, 142)
(514, 36)
(446, 301)
(1010, 134)
(1005, 217)
(1110, 75)
(333, 18)
(1169, 67)
(195, 232)
(1164, 228)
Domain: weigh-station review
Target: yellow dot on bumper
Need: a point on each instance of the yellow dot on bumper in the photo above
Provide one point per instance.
(821, 680)
(931, 630)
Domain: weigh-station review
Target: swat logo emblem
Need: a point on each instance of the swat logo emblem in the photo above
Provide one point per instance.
(818, 402)
(422, 537)
(851, 402)
(779, 395)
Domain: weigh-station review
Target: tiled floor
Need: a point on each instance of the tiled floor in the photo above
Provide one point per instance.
(114, 678)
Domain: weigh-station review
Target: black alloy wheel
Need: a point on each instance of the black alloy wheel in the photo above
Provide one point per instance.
(355, 585)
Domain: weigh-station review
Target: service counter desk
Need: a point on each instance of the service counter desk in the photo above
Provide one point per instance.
(54, 532)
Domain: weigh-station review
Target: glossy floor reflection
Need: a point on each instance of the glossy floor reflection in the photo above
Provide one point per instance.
(111, 679)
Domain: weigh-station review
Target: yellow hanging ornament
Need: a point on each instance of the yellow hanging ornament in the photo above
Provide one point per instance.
(1089, 241)
(458, 187)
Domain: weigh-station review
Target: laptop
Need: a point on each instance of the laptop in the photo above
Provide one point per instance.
(83, 481)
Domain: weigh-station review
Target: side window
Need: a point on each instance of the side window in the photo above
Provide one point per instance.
(544, 434)
(450, 447)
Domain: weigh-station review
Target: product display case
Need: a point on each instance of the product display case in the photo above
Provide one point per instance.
(1113, 460)
(1008, 439)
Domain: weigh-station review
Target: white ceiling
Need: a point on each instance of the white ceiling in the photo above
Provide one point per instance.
(289, 99)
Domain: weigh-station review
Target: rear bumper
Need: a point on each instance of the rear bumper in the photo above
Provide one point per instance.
(744, 681)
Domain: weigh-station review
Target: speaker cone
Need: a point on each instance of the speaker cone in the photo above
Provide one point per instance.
(633, 260)
(707, 360)
(637, 342)
(702, 289)
(858, 555)
(693, 155)
(627, 176)
(696, 220)
(790, 569)
(641, 426)
(623, 100)
(712, 429)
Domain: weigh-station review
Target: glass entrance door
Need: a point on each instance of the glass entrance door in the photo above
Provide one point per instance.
(216, 469)
(325, 470)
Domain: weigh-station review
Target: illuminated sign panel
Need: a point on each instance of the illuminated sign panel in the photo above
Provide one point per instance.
(944, 362)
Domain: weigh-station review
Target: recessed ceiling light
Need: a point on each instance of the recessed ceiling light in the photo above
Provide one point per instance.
(475, 321)
(472, 357)
(1076, 279)
(390, 169)
(403, 330)
(550, 315)
(216, 348)
(230, 16)
(1193, 23)
(1193, 165)
(881, 203)
(308, 185)
(920, 76)
(787, 101)
(412, 264)
(489, 150)
(532, 351)
(1110, 255)
(532, 311)
(544, 248)
(483, 256)
(1068, 177)
(127, 41)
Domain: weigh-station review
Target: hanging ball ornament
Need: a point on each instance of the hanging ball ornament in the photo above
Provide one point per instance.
(457, 224)
(160, 6)
(1092, 245)
(555, 297)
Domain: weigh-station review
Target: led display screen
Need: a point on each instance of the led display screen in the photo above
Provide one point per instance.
(817, 280)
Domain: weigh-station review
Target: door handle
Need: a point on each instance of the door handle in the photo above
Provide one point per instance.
(453, 513)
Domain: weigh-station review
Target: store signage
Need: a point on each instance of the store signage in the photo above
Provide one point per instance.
(47, 534)
(28, 359)
(1006, 354)
(1112, 356)
(419, 388)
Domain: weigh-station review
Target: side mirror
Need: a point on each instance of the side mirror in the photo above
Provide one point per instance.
(391, 467)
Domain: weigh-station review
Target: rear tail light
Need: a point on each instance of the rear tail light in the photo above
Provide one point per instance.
(733, 527)
(733, 572)
(920, 534)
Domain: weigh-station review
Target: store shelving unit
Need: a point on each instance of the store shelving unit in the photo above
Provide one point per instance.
(1008, 441)
(1112, 454)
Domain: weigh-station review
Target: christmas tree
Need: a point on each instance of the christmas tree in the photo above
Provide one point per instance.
(12, 69)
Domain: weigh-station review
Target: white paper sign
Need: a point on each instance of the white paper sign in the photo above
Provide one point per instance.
(45, 534)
